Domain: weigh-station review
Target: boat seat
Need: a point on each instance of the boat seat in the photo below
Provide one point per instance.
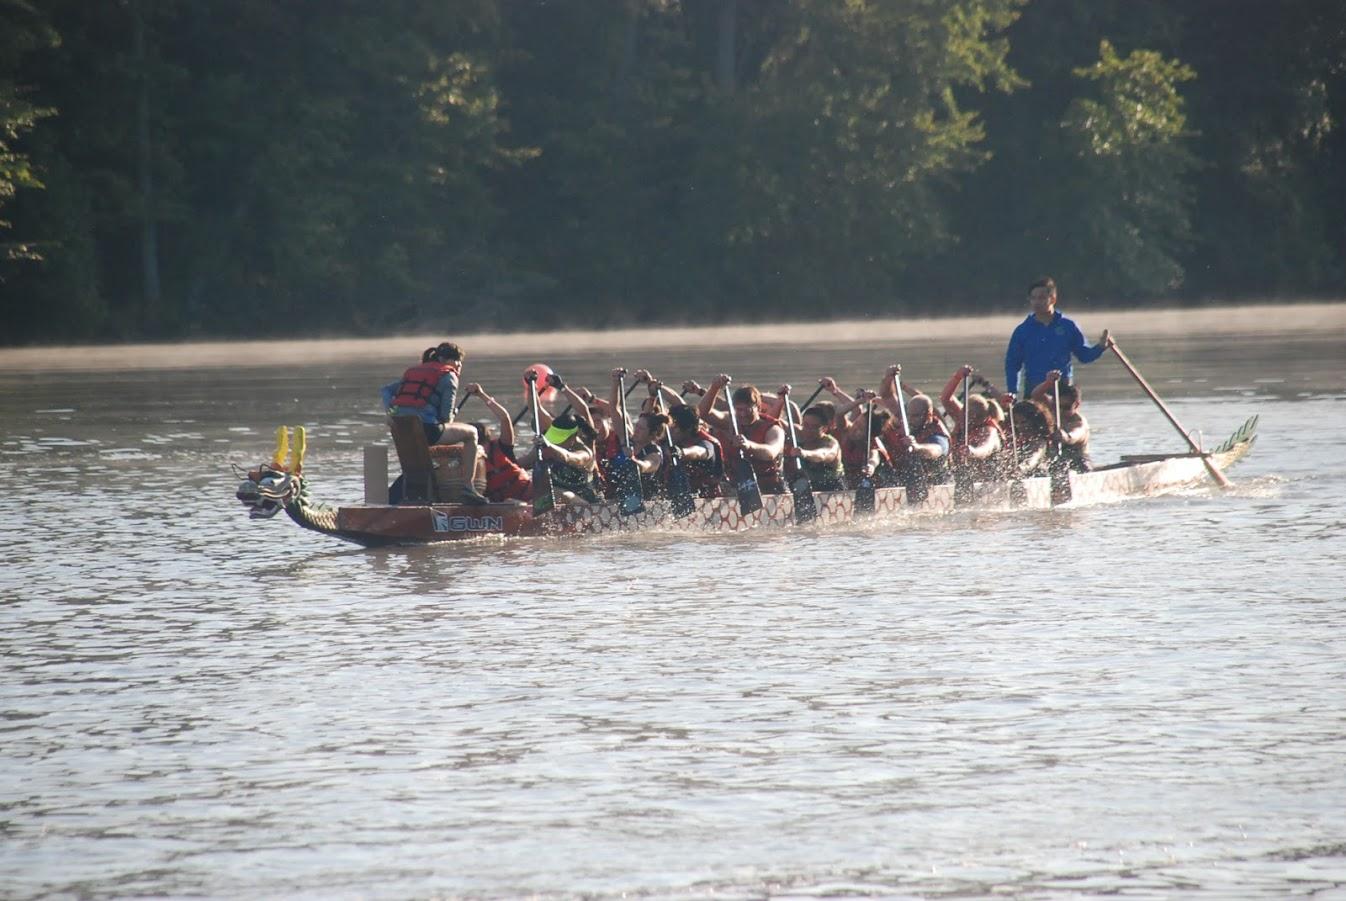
(431, 474)
(413, 453)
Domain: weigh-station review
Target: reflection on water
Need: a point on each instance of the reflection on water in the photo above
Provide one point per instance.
(1141, 697)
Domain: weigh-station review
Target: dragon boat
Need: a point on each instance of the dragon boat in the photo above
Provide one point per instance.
(280, 485)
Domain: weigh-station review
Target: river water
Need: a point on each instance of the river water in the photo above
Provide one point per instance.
(1138, 698)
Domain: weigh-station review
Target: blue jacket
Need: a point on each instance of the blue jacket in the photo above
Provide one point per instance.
(1040, 348)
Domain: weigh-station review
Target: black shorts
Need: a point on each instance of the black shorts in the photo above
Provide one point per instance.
(433, 431)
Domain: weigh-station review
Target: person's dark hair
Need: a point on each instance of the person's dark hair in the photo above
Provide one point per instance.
(482, 437)
(429, 354)
(829, 410)
(1070, 394)
(685, 418)
(748, 394)
(1045, 282)
(879, 419)
(825, 412)
(448, 352)
(657, 423)
(1032, 419)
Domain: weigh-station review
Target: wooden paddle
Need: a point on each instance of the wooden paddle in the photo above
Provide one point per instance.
(864, 492)
(962, 474)
(680, 497)
(919, 488)
(625, 475)
(801, 488)
(1215, 473)
(1018, 491)
(745, 479)
(544, 497)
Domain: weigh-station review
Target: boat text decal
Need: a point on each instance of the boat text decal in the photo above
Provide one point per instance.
(444, 522)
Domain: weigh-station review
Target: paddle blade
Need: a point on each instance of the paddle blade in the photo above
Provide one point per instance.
(745, 485)
(544, 496)
(864, 496)
(680, 490)
(626, 482)
(806, 508)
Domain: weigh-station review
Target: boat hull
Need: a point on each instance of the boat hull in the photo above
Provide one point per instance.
(374, 525)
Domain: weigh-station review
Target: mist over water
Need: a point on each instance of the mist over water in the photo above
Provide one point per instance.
(1138, 698)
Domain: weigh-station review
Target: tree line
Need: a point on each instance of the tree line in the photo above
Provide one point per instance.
(188, 168)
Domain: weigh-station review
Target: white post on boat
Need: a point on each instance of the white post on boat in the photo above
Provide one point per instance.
(376, 475)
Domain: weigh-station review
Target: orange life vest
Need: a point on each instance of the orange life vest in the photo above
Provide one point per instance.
(420, 384)
(769, 477)
(506, 479)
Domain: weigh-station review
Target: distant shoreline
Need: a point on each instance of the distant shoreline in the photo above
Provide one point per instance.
(1289, 319)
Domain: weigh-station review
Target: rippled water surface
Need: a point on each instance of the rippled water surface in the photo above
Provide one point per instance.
(1138, 698)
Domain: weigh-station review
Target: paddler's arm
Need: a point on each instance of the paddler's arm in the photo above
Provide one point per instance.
(448, 395)
(1043, 392)
(888, 387)
(502, 416)
(577, 404)
(1077, 435)
(987, 446)
(862, 397)
(767, 450)
(614, 400)
(952, 405)
(581, 459)
(651, 462)
(830, 452)
(1087, 353)
(706, 406)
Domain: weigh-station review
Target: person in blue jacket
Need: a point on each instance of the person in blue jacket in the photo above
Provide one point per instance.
(1044, 341)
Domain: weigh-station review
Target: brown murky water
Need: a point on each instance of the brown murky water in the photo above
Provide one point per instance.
(1138, 698)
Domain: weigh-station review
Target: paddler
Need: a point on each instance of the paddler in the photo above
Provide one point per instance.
(978, 447)
(700, 451)
(568, 444)
(760, 438)
(1072, 432)
(817, 450)
(506, 480)
(923, 456)
(1044, 341)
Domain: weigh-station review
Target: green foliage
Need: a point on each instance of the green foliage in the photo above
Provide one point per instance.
(203, 167)
(1129, 173)
(23, 31)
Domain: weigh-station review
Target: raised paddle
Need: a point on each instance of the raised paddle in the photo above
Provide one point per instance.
(625, 475)
(544, 498)
(801, 488)
(1215, 473)
(680, 497)
(918, 488)
(745, 479)
(1018, 491)
(864, 492)
(808, 403)
(962, 474)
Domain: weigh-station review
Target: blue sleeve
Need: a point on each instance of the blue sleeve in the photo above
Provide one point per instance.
(389, 392)
(1014, 361)
(943, 444)
(448, 393)
(1085, 353)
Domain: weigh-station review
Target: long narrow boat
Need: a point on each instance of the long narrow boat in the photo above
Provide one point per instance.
(280, 485)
